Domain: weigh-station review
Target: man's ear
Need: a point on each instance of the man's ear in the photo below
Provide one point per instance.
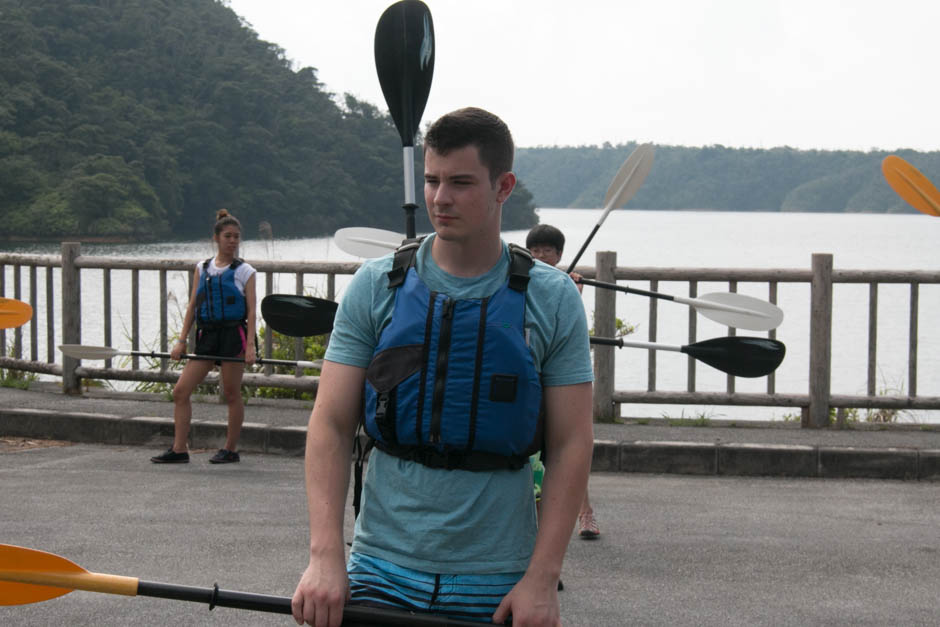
(504, 186)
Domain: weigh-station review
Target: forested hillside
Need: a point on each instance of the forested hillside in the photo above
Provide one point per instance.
(137, 119)
(720, 178)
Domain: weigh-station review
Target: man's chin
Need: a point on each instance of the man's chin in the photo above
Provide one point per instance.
(446, 233)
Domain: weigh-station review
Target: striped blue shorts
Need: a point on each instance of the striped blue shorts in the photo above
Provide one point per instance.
(379, 583)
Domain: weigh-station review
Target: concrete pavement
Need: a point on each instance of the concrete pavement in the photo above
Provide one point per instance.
(674, 550)
(278, 427)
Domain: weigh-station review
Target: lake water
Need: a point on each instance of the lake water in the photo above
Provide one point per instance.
(669, 239)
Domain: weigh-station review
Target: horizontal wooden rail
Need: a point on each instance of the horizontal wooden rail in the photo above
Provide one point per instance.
(712, 398)
(68, 268)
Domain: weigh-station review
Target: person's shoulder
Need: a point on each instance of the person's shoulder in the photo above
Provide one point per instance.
(245, 267)
(377, 265)
(373, 272)
(543, 274)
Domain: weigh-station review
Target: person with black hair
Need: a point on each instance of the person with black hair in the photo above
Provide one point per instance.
(547, 243)
(222, 305)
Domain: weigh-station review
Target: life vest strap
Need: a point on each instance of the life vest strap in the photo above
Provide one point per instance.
(455, 458)
(519, 266)
(405, 256)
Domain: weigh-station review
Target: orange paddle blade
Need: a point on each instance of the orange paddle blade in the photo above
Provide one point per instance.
(14, 313)
(911, 185)
(18, 564)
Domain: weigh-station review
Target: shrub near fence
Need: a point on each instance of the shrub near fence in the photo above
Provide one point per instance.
(814, 404)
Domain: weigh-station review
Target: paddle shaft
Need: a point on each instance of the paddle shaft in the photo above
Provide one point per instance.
(585, 245)
(408, 160)
(622, 188)
(353, 615)
(694, 302)
(260, 361)
(621, 343)
(215, 597)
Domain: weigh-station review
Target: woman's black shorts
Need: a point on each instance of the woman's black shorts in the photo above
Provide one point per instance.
(221, 340)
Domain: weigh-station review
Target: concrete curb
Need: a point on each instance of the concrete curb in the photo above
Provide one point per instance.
(769, 460)
(693, 458)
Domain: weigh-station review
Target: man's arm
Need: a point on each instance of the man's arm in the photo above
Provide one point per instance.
(569, 442)
(324, 586)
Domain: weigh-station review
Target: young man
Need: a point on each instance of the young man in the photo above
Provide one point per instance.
(448, 518)
(547, 244)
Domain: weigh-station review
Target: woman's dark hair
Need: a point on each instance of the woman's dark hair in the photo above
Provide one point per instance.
(474, 127)
(223, 219)
(545, 235)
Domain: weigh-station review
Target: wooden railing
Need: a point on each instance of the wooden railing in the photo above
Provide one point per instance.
(815, 404)
(72, 266)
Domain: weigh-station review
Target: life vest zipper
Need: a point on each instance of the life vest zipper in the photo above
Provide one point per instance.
(221, 300)
(209, 299)
(425, 351)
(440, 369)
(477, 369)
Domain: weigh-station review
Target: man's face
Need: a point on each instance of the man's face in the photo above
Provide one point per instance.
(546, 254)
(462, 203)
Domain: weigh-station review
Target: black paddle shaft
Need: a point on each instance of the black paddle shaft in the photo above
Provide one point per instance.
(625, 289)
(260, 361)
(583, 248)
(353, 615)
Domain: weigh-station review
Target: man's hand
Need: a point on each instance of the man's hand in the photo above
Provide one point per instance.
(321, 594)
(533, 602)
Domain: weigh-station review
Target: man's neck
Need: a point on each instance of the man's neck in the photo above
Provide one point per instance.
(464, 259)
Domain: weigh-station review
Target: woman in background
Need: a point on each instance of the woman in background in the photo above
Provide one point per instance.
(222, 305)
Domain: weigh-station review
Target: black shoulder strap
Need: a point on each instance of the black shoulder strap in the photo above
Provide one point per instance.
(205, 265)
(235, 263)
(405, 256)
(520, 261)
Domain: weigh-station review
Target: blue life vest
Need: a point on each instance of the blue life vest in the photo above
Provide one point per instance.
(217, 297)
(452, 383)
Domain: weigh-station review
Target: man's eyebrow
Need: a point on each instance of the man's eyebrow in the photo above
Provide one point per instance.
(458, 177)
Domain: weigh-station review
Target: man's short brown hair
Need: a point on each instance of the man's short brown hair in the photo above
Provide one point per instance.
(471, 126)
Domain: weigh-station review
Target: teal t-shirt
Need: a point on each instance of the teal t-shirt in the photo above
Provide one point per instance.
(457, 521)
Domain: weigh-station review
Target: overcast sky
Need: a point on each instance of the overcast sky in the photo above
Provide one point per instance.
(826, 74)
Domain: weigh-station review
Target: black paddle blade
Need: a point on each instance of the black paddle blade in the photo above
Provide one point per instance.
(739, 356)
(404, 60)
(298, 316)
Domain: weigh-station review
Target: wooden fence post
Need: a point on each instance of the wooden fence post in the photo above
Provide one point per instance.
(820, 343)
(604, 326)
(71, 314)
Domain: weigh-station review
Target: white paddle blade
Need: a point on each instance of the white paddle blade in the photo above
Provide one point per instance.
(630, 177)
(367, 242)
(77, 351)
(739, 311)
